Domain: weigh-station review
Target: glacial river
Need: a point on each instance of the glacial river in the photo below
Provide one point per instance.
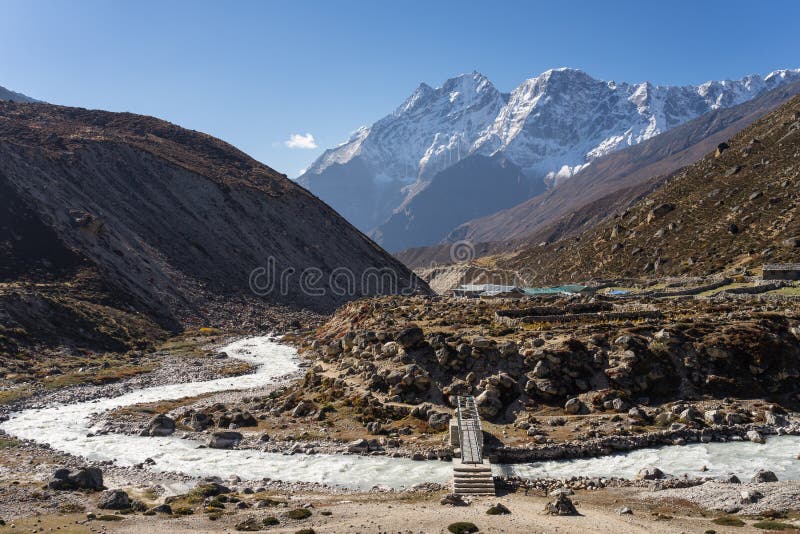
(67, 428)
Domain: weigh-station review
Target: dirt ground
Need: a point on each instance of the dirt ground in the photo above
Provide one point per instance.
(415, 513)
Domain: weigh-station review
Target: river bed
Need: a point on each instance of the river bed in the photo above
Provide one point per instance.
(68, 428)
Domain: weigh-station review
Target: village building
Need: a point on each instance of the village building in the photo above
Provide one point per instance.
(781, 271)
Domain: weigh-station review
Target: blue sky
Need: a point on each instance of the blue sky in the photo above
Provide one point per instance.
(255, 73)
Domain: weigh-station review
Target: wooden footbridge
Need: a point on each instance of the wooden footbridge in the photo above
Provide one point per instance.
(472, 473)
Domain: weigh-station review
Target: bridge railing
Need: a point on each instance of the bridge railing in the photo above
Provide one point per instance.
(470, 431)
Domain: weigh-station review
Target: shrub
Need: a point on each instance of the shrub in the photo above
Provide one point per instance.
(299, 513)
(462, 527)
(773, 525)
(306, 531)
(498, 509)
(270, 521)
(109, 517)
(182, 510)
(71, 508)
(728, 521)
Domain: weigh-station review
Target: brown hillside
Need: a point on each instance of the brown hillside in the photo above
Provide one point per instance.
(141, 215)
(611, 183)
(734, 209)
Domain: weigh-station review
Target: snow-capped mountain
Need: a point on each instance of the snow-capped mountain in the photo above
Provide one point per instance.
(550, 127)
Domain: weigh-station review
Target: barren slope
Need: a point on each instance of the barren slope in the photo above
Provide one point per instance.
(167, 219)
(737, 209)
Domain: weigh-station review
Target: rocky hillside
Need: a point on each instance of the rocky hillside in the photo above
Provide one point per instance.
(736, 207)
(620, 177)
(6, 94)
(551, 126)
(610, 184)
(149, 217)
(523, 360)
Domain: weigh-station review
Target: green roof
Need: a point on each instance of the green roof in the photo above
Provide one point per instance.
(569, 288)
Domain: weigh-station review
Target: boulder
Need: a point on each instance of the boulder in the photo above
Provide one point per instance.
(659, 211)
(438, 421)
(562, 505)
(303, 408)
(200, 421)
(114, 500)
(574, 406)
(88, 478)
(410, 337)
(160, 425)
(792, 242)
(774, 419)
(160, 509)
(488, 403)
(224, 440)
(650, 473)
(755, 436)
(750, 496)
(358, 446)
(764, 476)
(451, 499)
(713, 417)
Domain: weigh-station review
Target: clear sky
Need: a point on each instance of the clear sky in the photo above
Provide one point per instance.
(259, 74)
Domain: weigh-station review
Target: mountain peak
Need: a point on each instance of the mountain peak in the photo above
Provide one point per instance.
(6, 94)
(550, 126)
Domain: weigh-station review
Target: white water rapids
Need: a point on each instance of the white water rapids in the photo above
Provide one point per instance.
(67, 428)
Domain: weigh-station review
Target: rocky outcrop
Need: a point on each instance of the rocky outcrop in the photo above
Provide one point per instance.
(87, 478)
(114, 500)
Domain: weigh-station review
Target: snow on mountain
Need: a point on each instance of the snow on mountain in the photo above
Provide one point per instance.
(425, 134)
(551, 126)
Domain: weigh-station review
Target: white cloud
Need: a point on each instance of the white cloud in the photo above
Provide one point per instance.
(301, 141)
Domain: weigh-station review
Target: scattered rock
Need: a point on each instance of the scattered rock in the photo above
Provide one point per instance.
(650, 473)
(562, 505)
(755, 436)
(451, 499)
(438, 421)
(574, 406)
(160, 426)
(160, 509)
(224, 440)
(89, 478)
(750, 496)
(764, 476)
(730, 479)
(114, 500)
(410, 337)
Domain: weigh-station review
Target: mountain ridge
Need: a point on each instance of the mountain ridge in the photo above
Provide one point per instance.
(551, 126)
(172, 222)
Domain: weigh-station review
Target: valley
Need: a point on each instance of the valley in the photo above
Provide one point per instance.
(191, 340)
